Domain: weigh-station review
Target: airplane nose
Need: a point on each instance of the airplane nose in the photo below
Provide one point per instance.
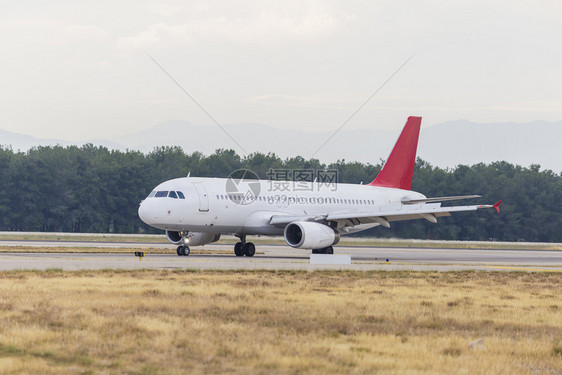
(144, 213)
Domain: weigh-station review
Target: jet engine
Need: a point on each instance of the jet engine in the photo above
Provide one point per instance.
(192, 238)
(310, 235)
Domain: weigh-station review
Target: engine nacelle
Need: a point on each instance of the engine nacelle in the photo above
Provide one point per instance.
(310, 235)
(192, 238)
(174, 237)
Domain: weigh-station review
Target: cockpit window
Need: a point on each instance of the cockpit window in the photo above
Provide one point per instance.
(161, 194)
(173, 194)
(180, 194)
(152, 194)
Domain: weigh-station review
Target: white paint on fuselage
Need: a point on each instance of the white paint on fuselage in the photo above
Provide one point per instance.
(244, 212)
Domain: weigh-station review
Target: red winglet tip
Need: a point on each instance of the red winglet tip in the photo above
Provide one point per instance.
(497, 206)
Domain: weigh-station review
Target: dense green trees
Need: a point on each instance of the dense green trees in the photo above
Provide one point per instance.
(93, 189)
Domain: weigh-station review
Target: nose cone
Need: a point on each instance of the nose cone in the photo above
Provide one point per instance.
(144, 213)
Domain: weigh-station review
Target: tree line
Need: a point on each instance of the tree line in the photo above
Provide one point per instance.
(94, 189)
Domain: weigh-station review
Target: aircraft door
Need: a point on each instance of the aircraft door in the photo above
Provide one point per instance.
(203, 198)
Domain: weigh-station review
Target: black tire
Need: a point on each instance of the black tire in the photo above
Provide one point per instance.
(186, 251)
(329, 250)
(316, 251)
(179, 250)
(238, 249)
(249, 249)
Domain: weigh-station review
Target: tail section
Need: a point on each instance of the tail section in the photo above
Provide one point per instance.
(398, 170)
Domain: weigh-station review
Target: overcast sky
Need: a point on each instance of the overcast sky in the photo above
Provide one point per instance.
(78, 70)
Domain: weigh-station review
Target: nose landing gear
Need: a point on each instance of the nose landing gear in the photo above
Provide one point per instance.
(183, 250)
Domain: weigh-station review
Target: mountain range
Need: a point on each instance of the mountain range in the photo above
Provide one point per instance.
(444, 145)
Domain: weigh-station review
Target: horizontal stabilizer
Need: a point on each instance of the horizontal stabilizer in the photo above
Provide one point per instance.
(438, 199)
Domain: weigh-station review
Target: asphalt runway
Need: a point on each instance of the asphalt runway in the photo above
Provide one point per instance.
(274, 257)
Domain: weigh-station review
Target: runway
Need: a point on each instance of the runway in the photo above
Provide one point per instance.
(273, 257)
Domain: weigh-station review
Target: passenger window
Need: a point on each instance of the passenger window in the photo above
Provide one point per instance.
(173, 194)
(161, 194)
(180, 194)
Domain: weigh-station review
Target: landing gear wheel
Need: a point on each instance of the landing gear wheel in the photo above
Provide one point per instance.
(183, 250)
(324, 250)
(238, 249)
(249, 249)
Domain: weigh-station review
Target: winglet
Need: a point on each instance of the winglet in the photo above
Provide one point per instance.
(497, 206)
(399, 167)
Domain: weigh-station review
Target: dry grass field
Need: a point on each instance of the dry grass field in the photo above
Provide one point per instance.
(286, 322)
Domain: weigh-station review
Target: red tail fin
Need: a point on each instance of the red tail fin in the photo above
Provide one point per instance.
(399, 168)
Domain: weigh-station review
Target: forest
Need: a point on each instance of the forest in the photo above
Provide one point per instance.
(92, 189)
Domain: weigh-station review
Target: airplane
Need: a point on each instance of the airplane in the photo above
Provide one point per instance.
(309, 215)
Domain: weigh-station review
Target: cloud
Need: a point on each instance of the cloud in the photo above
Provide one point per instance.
(155, 34)
(163, 9)
(262, 28)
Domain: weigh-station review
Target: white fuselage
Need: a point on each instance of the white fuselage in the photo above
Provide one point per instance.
(218, 205)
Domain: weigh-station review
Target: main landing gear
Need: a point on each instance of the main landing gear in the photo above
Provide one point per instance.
(244, 248)
(325, 250)
(183, 250)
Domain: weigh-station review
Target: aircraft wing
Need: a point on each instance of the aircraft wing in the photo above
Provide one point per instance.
(428, 211)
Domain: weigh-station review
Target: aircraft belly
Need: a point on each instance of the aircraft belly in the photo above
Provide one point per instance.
(266, 231)
(258, 223)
